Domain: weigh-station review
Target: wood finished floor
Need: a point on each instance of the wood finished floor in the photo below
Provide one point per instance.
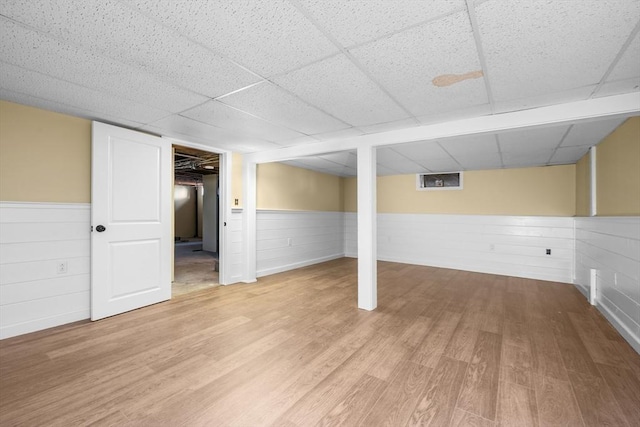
(444, 347)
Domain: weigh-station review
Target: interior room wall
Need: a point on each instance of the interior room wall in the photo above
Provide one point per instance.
(236, 180)
(185, 206)
(285, 187)
(44, 156)
(609, 243)
(583, 186)
(541, 191)
(618, 171)
(199, 204)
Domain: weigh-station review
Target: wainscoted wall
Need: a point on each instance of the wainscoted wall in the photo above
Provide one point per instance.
(34, 239)
(293, 239)
(509, 245)
(611, 245)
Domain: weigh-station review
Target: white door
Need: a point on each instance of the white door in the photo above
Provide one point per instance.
(131, 220)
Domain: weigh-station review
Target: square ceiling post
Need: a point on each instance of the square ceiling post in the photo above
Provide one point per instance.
(367, 232)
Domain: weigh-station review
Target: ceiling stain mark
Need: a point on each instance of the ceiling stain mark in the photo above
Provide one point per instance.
(450, 79)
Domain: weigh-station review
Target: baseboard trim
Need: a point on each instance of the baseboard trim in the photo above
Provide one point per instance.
(287, 267)
(45, 323)
(626, 333)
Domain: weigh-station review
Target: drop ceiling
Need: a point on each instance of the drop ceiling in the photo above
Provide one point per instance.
(250, 75)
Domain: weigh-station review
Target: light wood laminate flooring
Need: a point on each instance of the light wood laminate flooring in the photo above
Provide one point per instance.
(444, 347)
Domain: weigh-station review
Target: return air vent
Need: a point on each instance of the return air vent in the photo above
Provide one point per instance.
(439, 181)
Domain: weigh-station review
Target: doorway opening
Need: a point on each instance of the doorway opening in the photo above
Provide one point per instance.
(196, 220)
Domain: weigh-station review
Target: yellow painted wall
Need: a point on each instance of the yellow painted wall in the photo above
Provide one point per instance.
(236, 180)
(527, 191)
(44, 156)
(618, 171)
(583, 186)
(284, 187)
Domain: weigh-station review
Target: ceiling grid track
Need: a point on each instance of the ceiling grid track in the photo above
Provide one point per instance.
(613, 64)
(481, 57)
(351, 58)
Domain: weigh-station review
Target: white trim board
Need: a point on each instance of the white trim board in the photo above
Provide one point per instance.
(609, 106)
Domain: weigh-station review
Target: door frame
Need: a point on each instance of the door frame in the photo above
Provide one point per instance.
(224, 205)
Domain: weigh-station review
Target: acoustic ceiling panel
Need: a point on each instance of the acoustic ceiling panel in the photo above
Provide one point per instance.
(217, 114)
(268, 37)
(276, 105)
(109, 28)
(431, 68)
(536, 47)
(358, 21)
(338, 87)
(75, 65)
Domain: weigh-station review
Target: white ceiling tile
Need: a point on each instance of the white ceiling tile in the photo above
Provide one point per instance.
(568, 155)
(441, 165)
(407, 62)
(303, 140)
(212, 134)
(629, 64)
(480, 161)
(531, 140)
(526, 158)
(316, 162)
(274, 104)
(335, 85)
(384, 127)
(458, 114)
(110, 28)
(470, 145)
(344, 158)
(571, 95)
(357, 21)
(66, 62)
(422, 150)
(618, 87)
(268, 37)
(390, 158)
(169, 133)
(30, 83)
(217, 114)
(590, 133)
(339, 134)
(540, 46)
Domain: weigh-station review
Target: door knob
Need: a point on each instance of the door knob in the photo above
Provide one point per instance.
(100, 228)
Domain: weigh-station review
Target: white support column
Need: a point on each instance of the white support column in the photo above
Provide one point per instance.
(593, 188)
(367, 232)
(249, 234)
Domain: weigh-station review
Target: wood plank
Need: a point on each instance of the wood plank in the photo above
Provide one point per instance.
(399, 399)
(597, 405)
(516, 406)
(480, 388)
(286, 352)
(556, 402)
(437, 402)
(356, 403)
(626, 390)
(516, 366)
(465, 419)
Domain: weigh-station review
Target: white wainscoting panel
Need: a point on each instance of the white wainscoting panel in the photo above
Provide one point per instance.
(611, 245)
(34, 239)
(234, 246)
(507, 245)
(294, 239)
